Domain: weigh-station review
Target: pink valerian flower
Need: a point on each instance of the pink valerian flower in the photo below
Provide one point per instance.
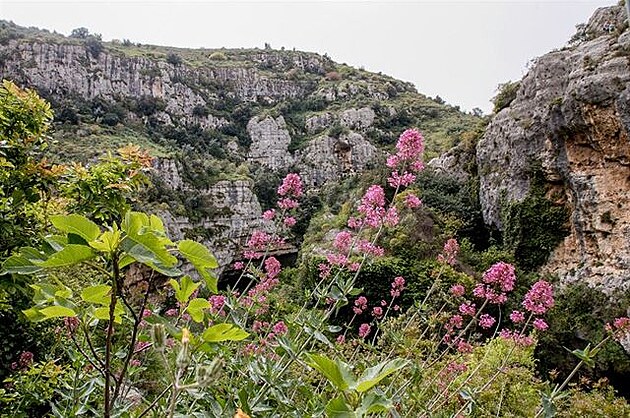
(341, 339)
(457, 290)
(343, 241)
(288, 203)
(171, 313)
(540, 324)
(71, 323)
(324, 270)
(239, 265)
(522, 340)
(272, 267)
(391, 218)
(360, 305)
(620, 328)
(539, 298)
(412, 201)
(464, 347)
(259, 326)
(404, 180)
(289, 221)
(364, 330)
(135, 363)
(354, 223)
(280, 328)
(337, 259)
(398, 285)
(216, 303)
(372, 206)
(26, 359)
(456, 321)
(367, 247)
(396, 308)
(383, 303)
(291, 186)
(449, 253)
(468, 309)
(486, 321)
(517, 317)
(268, 215)
(497, 281)
(354, 266)
(501, 274)
(377, 312)
(146, 313)
(259, 240)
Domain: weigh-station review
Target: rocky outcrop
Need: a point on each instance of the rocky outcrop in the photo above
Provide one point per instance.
(327, 158)
(236, 214)
(571, 117)
(270, 142)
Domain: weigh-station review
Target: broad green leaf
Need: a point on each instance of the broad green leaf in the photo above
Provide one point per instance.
(107, 242)
(196, 307)
(44, 293)
(76, 224)
(156, 223)
(372, 376)
(224, 332)
(99, 294)
(184, 289)
(201, 258)
(71, 254)
(338, 408)
(373, 403)
(103, 313)
(17, 264)
(337, 372)
(33, 315)
(148, 249)
(57, 311)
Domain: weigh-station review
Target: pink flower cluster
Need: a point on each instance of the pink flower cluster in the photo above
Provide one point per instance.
(458, 290)
(412, 201)
(539, 298)
(620, 328)
(398, 285)
(497, 281)
(372, 206)
(217, 302)
(406, 163)
(364, 330)
(450, 251)
(360, 305)
(522, 340)
(291, 186)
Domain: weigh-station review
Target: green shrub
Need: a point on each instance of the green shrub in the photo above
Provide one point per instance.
(505, 96)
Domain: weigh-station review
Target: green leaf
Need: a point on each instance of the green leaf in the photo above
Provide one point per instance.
(103, 313)
(337, 372)
(372, 376)
(76, 224)
(70, 255)
(17, 264)
(224, 332)
(33, 315)
(184, 289)
(148, 249)
(196, 307)
(201, 258)
(99, 294)
(373, 404)
(338, 408)
(57, 311)
(107, 242)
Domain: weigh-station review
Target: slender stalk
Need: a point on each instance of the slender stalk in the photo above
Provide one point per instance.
(110, 333)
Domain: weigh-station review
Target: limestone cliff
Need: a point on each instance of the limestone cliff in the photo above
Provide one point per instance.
(571, 119)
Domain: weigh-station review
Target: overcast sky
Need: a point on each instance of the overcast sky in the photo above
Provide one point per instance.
(459, 50)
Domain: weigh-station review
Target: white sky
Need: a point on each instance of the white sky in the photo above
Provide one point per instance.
(459, 50)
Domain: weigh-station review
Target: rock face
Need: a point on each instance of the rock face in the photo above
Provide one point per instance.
(237, 214)
(571, 116)
(270, 142)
